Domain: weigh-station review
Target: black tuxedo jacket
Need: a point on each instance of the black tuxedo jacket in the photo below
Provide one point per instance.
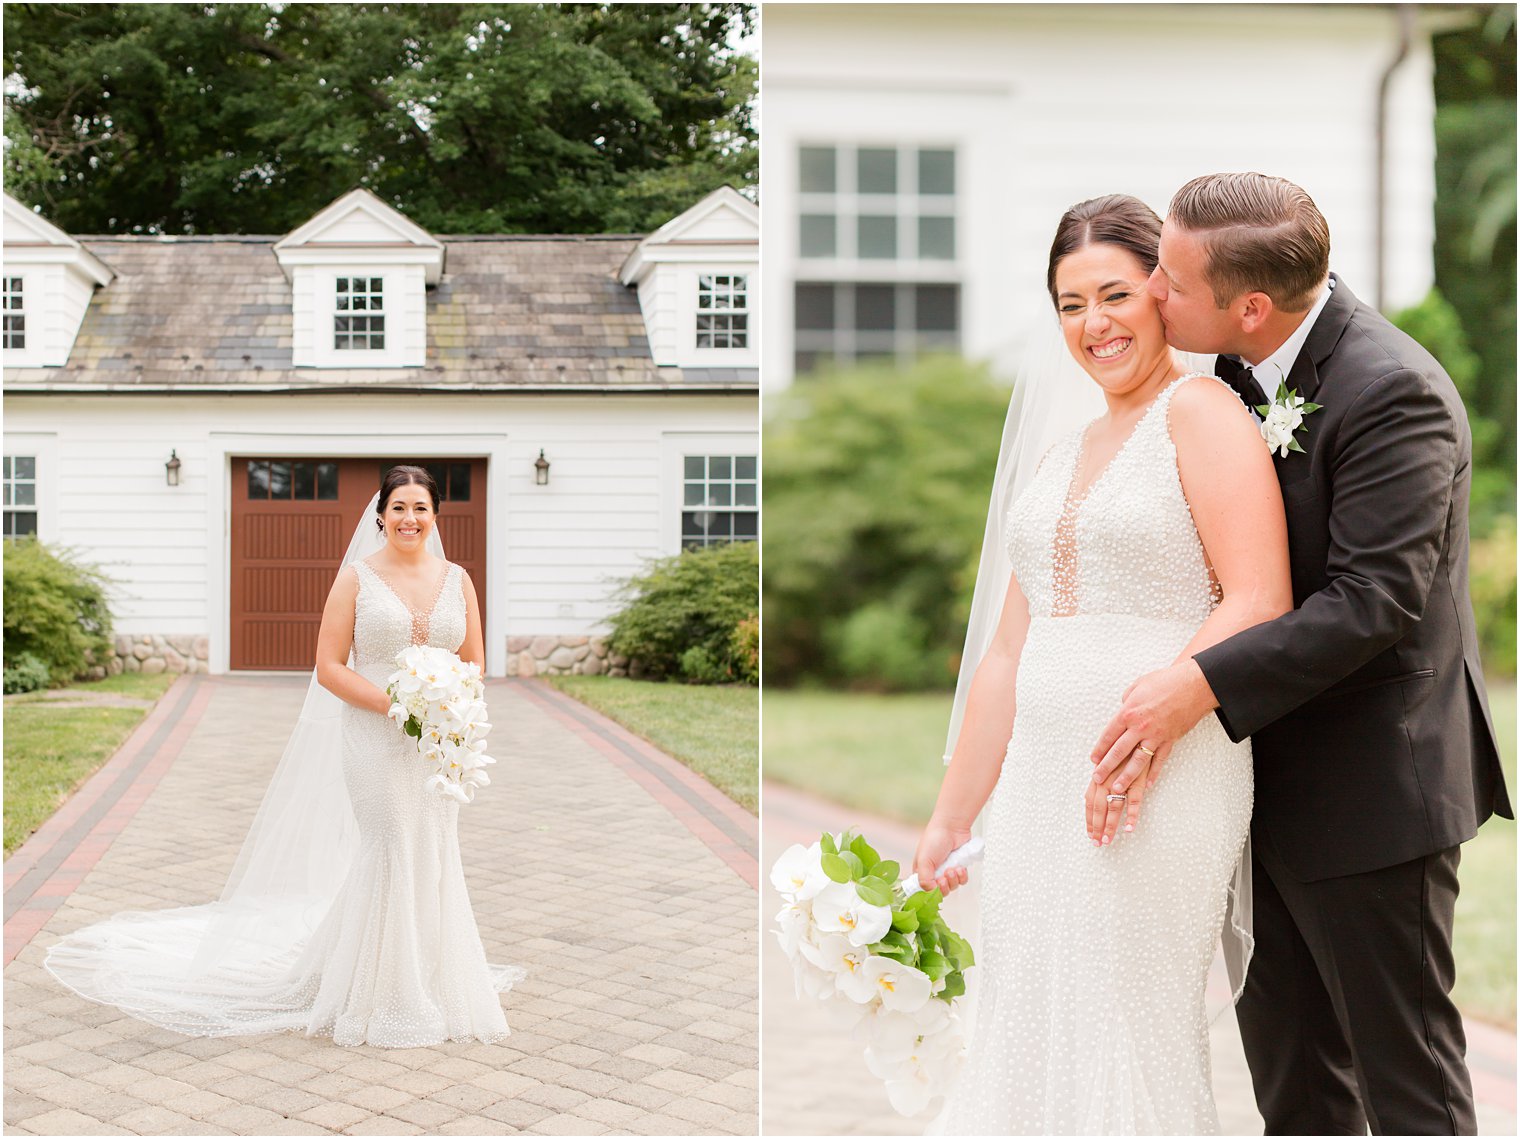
(1366, 705)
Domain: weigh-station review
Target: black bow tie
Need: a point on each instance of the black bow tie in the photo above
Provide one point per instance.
(1241, 378)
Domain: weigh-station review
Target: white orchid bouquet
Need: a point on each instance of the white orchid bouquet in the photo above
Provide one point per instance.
(877, 953)
(439, 701)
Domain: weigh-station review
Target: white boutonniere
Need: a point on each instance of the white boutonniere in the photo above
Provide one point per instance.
(1283, 417)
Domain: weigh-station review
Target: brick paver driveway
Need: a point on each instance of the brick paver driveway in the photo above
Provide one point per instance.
(622, 882)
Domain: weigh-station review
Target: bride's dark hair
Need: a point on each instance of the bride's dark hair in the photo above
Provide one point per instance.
(1115, 219)
(401, 476)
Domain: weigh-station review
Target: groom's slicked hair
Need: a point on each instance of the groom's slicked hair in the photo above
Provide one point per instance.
(1262, 234)
(1116, 219)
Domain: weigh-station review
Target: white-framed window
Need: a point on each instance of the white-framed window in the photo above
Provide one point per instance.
(878, 276)
(19, 484)
(359, 314)
(720, 499)
(843, 323)
(14, 316)
(722, 310)
(876, 203)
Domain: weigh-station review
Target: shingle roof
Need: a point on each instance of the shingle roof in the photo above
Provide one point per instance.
(214, 313)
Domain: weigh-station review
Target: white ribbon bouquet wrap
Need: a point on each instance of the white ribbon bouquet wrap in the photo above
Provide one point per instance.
(876, 952)
(439, 700)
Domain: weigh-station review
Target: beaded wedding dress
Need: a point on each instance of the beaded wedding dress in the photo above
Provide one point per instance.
(395, 960)
(1092, 964)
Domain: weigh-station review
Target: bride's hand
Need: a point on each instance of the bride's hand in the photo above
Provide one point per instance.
(939, 839)
(1103, 816)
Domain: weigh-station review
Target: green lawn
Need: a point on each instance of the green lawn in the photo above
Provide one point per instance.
(882, 754)
(712, 729)
(50, 751)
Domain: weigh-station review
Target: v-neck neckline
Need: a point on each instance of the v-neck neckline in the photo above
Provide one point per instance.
(1076, 500)
(405, 604)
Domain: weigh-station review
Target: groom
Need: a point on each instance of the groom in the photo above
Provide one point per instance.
(1375, 755)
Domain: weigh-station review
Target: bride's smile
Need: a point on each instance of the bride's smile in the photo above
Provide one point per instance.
(1110, 323)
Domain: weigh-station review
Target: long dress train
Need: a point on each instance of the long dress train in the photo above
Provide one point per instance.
(396, 960)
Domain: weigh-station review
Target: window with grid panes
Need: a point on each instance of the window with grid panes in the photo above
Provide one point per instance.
(304, 480)
(14, 313)
(359, 316)
(453, 479)
(880, 212)
(720, 500)
(722, 310)
(20, 492)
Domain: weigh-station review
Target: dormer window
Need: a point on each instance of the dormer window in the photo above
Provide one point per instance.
(698, 277)
(723, 310)
(15, 313)
(359, 319)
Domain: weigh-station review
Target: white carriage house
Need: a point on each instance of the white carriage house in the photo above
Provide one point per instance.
(205, 417)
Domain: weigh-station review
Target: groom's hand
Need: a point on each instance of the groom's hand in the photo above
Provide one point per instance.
(1158, 710)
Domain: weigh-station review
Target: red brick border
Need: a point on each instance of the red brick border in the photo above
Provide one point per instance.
(50, 865)
(726, 828)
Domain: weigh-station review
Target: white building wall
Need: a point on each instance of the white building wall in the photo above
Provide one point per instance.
(1047, 105)
(555, 553)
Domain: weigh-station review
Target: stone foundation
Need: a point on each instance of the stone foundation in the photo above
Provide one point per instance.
(563, 656)
(150, 652)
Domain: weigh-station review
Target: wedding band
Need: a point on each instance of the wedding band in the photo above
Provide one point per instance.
(1149, 754)
(1117, 798)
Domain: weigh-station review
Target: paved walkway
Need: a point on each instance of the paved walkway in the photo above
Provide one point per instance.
(816, 1082)
(620, 880)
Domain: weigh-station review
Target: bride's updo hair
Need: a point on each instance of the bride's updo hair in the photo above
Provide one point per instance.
(401, 476)
(1115, 219)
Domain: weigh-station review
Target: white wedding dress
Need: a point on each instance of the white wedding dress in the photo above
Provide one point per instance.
(395, 960)
(1089, 1014)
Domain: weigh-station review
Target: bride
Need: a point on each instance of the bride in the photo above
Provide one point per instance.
(1153, 532)
(346, 914)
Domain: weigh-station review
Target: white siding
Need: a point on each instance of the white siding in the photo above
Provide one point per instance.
(1048, 105)
(555, 552)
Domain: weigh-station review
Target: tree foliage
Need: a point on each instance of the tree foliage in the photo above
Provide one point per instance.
(876, 485)
(471, 118)
(1475, 215)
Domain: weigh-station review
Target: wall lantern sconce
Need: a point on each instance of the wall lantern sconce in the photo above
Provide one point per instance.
(541, 469)
(171, 469)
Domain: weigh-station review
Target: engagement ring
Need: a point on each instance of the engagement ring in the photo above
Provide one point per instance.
(1117, 798)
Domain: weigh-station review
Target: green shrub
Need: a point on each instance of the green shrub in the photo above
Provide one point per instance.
(746, 646)
(679, 615)
(881, 645)
(55, 613)
(26, 673)
(1491, 577)
(1438, 328)
(876, 485)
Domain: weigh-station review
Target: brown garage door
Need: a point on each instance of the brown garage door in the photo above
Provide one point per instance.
(292, 520)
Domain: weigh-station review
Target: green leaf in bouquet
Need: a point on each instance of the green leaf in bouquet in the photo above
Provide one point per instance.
(412, 728)
(928, 935)
(826, 843)
(835, 867)
(874, 891)
(904, 920)
(955, 986)
(898, 953)
(887, 871)
(935, 965)
(852, 860)
(863, 851)
(927, 904)
(959, 950)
